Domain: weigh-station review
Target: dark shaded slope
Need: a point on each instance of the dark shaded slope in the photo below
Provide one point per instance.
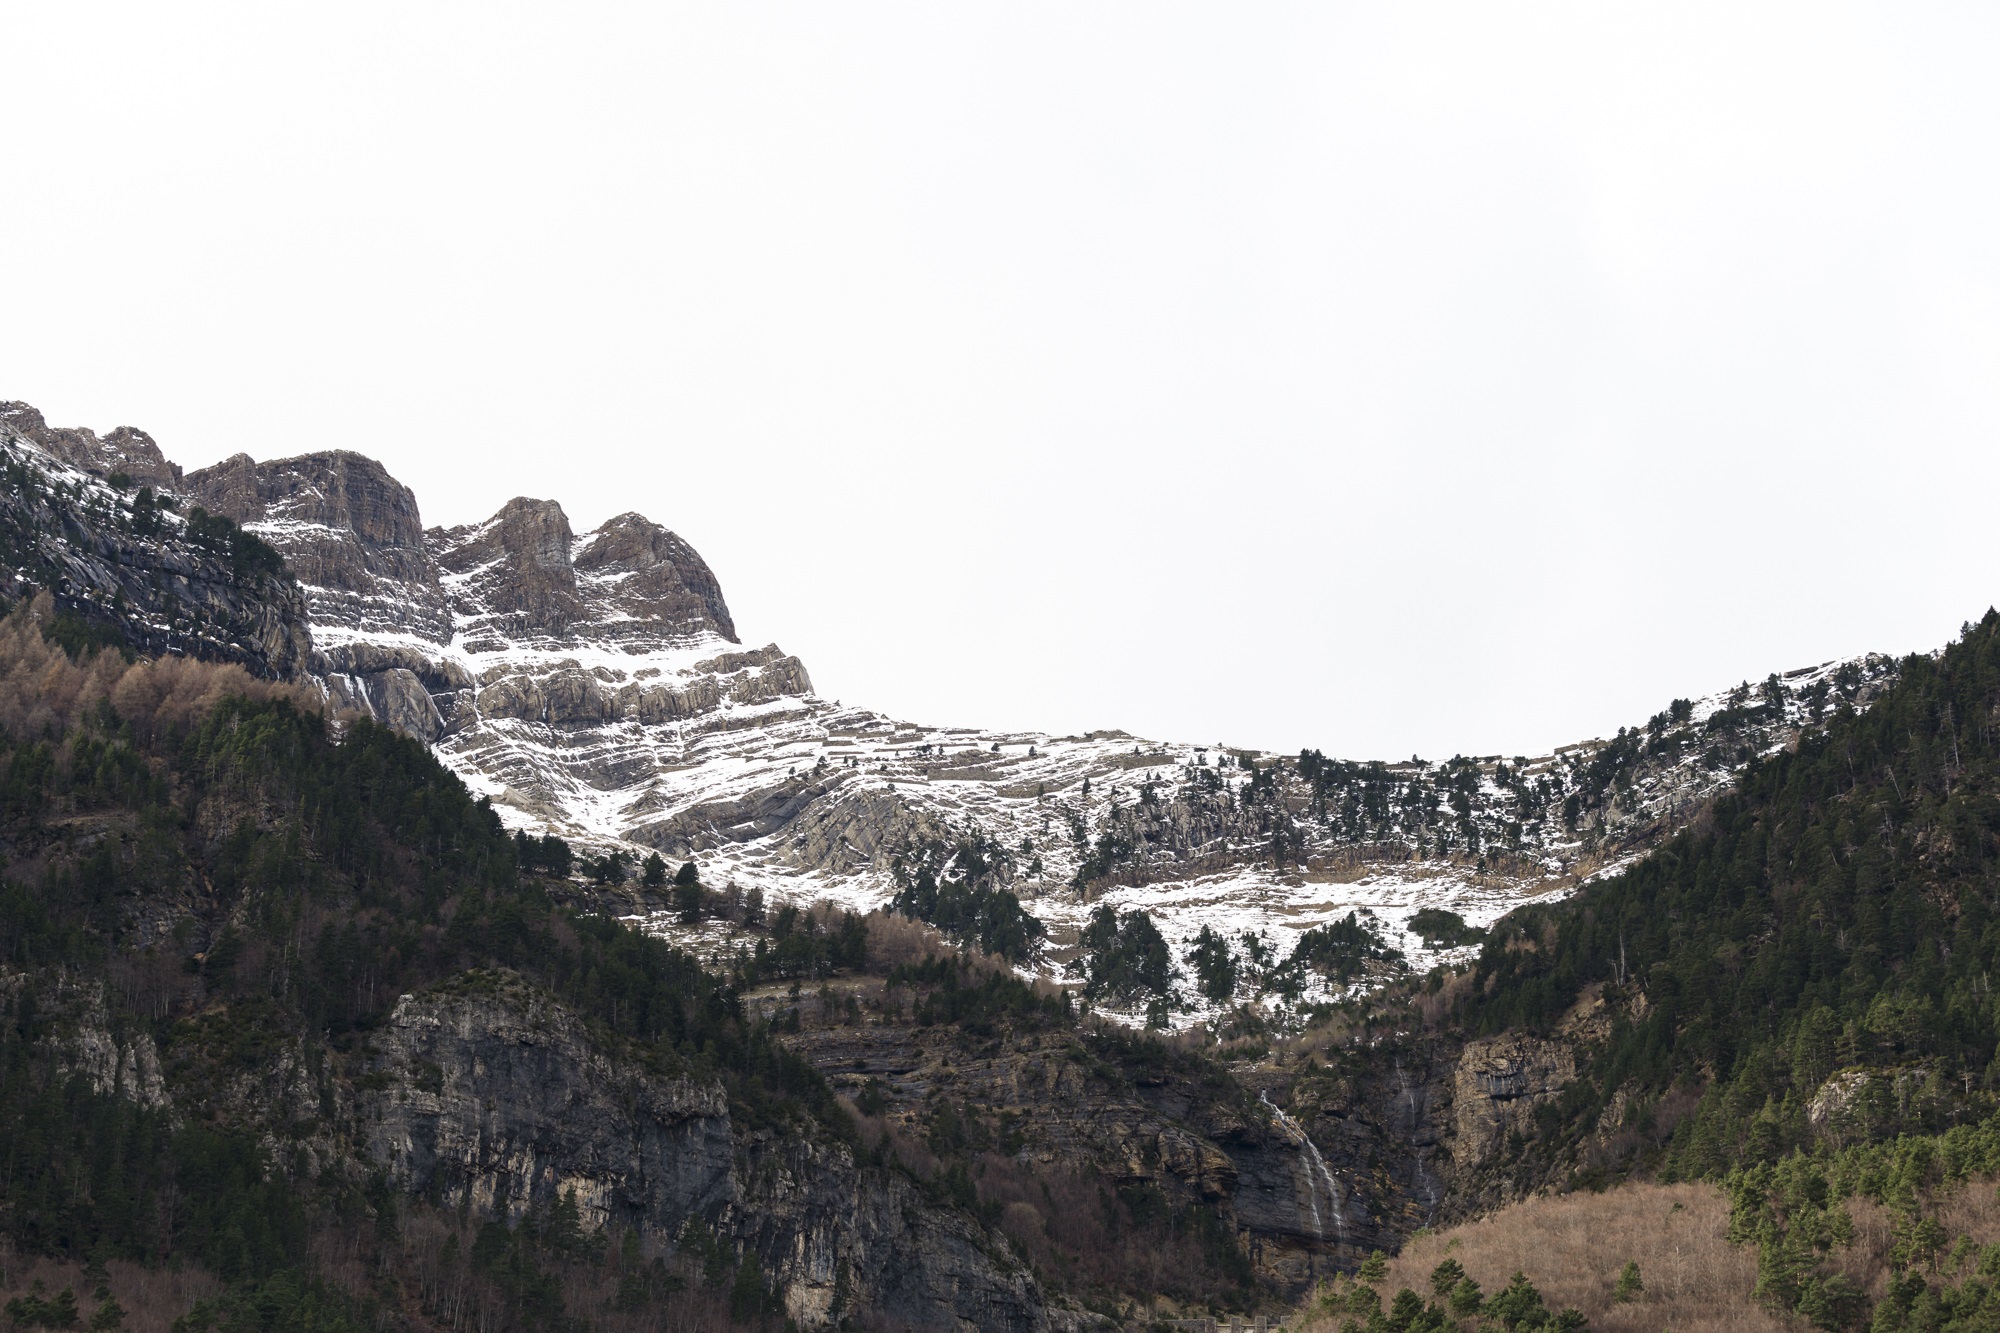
(125, 568)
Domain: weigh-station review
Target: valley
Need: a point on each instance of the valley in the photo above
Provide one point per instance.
(423, 927)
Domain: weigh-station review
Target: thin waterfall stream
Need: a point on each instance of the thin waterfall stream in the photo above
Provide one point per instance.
(1317, 1174)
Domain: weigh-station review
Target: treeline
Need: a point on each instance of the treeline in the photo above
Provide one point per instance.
(1124, 959)
(1464, 807)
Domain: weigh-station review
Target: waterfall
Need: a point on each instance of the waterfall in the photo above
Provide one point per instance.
(1317, 1174)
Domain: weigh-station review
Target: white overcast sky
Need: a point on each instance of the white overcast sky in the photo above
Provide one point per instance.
(1380, 378)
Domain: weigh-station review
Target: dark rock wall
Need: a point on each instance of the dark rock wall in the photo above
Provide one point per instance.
(146, 585)
(350, 531)
(497, 1097)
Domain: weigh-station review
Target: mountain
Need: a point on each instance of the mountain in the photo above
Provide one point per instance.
(593, 687)
(328, 966)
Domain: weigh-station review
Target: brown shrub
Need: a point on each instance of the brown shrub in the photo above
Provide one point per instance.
(1574, 1247)
(1971, 1209)
(896, 941)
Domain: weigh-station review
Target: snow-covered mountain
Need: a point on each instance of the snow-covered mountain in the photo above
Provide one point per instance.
(593, 685)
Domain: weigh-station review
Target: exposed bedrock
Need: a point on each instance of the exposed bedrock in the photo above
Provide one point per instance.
(157, 590)
(571, 695)
(498, 1098)
(851, 831)
(350, 531)
(649, 579)
(522, 575)
(1499, 1084)
(396, 698)
(126, 449)
(511, 575)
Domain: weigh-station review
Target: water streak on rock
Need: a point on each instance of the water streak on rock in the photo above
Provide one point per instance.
(1317, 1174)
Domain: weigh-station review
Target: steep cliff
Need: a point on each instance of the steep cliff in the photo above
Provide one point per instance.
(126, 567)
(350, 532)
(500, 1100)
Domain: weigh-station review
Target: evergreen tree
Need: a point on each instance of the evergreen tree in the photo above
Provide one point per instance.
(1214, 966)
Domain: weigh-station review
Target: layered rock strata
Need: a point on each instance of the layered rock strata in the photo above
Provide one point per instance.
(125, 451)
(132, 572)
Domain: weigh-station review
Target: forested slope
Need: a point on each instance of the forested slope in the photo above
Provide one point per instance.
(234, 947)
(1813, 958)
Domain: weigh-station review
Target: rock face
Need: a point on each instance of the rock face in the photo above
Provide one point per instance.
(350, 532)
(496, 1097)
(650, 581)
(125, 450)
(522, 579)
(1498, 1085)
(138, 574)
(453, 635)
(512, 577)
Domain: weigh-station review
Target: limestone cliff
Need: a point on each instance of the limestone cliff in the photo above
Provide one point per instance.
(350, 532)
(125, 450)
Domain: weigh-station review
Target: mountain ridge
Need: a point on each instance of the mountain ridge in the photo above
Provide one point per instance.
(592, 686)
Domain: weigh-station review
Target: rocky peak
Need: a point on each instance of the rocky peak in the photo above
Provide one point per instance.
(511, 576)
(635, 568)
(126, 449)
(522, 575)
(350, 531)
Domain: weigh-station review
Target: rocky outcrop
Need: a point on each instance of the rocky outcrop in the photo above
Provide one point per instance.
(648, 579)
(511, 577)
(137, 574)
(436, 633)
(1497, 1087)
(78, 1030)
(523, 577)
(852, 831)
(711, 824)
(126, 450)
(395, 697)
(497, 1099)
(350, 531)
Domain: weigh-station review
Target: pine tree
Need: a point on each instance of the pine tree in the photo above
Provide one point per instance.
(1446, 1277)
